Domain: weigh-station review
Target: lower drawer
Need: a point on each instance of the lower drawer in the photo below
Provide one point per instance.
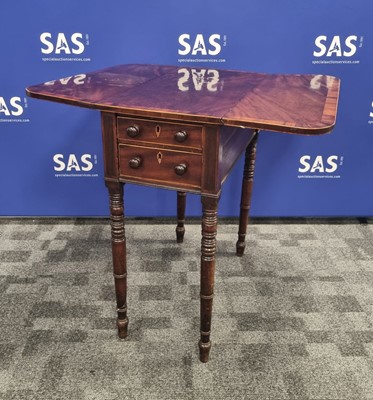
(160, 167)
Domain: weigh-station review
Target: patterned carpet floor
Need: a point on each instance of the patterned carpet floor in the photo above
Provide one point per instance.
(292, 319)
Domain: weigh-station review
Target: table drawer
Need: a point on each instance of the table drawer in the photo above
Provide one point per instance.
(168, 133)
(167, 167)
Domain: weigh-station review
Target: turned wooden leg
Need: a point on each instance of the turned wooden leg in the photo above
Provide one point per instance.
(247, 186)
(118, 243)
(208, 249)
(180, 230)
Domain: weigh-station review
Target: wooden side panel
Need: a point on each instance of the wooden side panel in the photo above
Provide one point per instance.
(110, 148)
(210, 169)
(233, 144)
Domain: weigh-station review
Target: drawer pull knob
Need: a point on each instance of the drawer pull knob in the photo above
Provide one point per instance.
(180, 169)
(133, 131)
(181, 136)
(135, 162)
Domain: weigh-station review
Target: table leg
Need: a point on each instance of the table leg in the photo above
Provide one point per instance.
(180, 230)
(118, 243)
(247, 186)
(208, 250)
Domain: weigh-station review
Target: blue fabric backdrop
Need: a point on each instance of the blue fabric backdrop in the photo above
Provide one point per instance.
(50, 154)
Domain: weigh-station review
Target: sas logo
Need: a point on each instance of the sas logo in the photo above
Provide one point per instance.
(63, 47)
(79, 79)
(319, 80)
(12, 108)
(61, 44)
(337, 47)
(72, 165)
(197, 45)
(200, 45)
(198, 79)
(320, 166)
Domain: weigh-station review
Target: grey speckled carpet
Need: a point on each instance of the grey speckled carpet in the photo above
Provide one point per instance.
(292, 318)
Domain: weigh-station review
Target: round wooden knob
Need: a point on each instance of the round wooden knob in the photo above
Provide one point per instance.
(180, 169)
(133, 131)
(181, 136)
(135, 162)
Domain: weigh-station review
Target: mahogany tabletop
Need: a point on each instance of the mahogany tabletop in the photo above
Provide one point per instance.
(293, 103)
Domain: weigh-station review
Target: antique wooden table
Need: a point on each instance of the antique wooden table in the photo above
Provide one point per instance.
(184, 129)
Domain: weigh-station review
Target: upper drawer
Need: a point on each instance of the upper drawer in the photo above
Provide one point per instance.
(159, 132)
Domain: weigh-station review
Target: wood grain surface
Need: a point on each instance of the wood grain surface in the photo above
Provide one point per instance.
(304, 104)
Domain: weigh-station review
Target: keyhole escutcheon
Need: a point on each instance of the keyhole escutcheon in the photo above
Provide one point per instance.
(157, 130)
